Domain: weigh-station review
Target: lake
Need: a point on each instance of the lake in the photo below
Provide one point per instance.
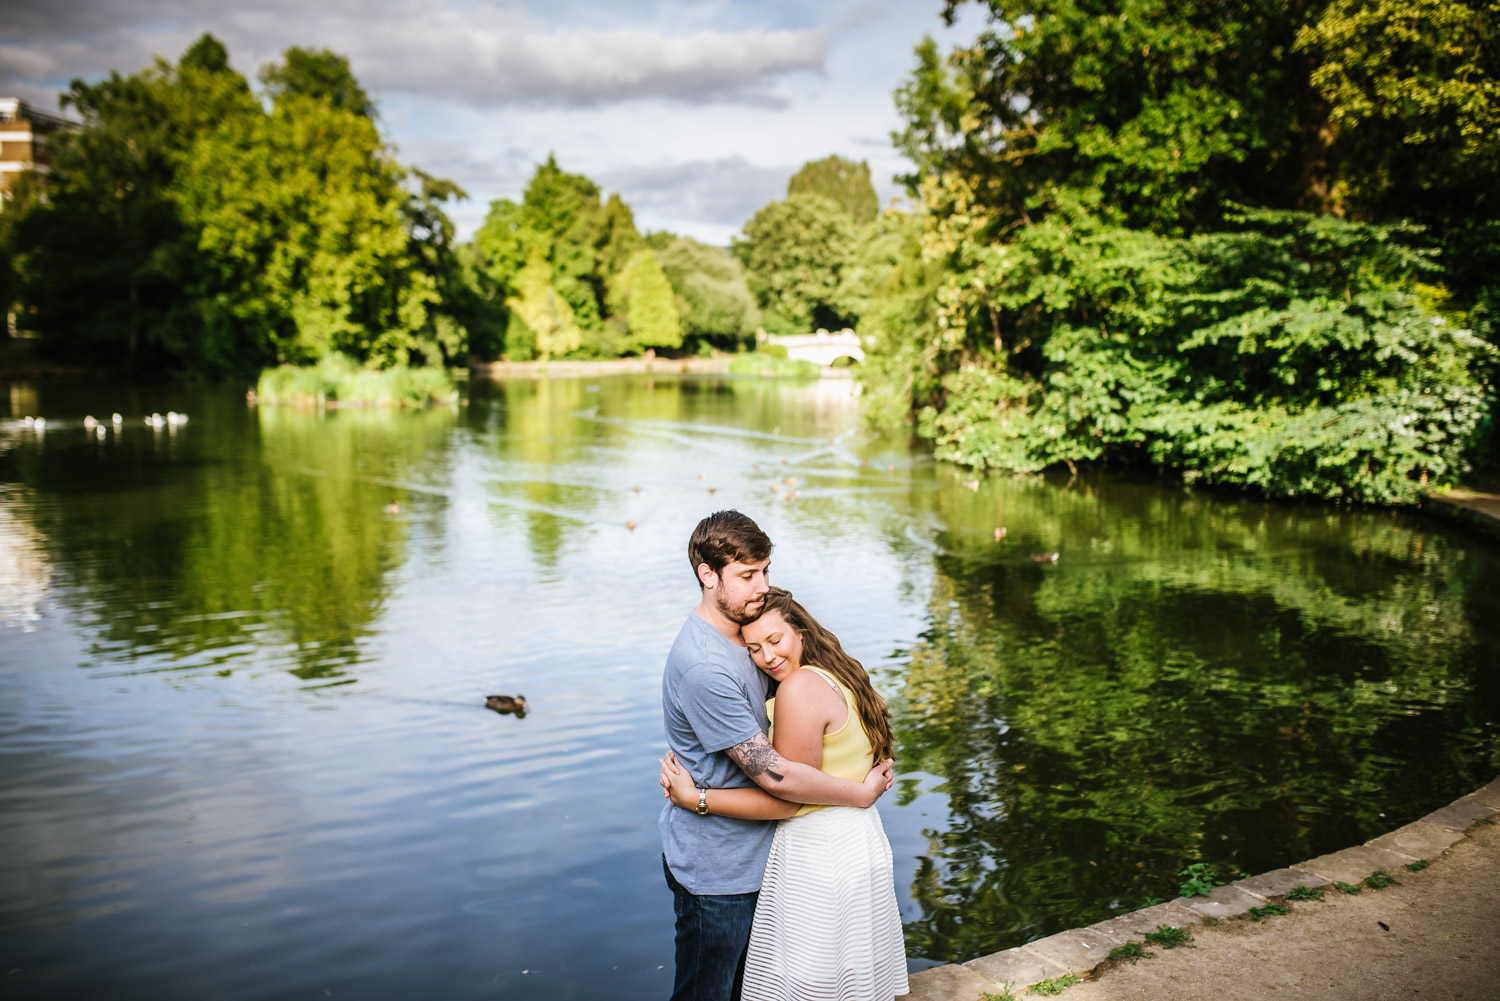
(244, 753)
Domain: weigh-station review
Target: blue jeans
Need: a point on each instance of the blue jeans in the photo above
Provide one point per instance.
(713, 932)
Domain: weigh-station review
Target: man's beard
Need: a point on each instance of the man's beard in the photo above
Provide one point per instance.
(739, 616)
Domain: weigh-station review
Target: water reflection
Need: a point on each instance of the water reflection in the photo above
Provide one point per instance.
(276, 755)
(1196, 679)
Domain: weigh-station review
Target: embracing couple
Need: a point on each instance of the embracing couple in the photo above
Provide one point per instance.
(774, 899)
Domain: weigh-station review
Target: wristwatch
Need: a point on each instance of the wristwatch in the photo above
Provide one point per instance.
(702, 802)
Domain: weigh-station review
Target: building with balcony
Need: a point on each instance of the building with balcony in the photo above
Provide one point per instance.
(24, 132)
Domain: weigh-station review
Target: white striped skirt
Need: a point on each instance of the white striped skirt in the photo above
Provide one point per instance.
(826, 925)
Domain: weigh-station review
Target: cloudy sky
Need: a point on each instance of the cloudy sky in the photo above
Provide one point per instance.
(696, 111)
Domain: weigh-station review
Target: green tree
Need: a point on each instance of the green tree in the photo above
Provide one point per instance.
(547, 315)
(642, 294)
(1084, 172)
(318, 74)
(618, 239)
(713, 298)
(194, 229)
(843, 182)
(793, 253)
(1413, 96)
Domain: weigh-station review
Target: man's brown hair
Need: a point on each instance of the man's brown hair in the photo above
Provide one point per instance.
(726, 537)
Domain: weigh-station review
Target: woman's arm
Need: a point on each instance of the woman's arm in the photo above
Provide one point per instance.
(747, 804)
(807, 707)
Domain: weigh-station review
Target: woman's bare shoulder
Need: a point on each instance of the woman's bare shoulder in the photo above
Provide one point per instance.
(805, 685)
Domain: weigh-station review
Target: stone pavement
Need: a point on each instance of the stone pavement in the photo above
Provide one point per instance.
(1320, 949)
(1477, 509)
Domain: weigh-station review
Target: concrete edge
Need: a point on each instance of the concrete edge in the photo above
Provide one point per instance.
(1081, 950)
(1460, 512)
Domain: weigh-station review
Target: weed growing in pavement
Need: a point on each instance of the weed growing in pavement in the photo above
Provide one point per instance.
(1200, 880)
(1348, 888)
(1004, 995)
(1486, 821)
(1132, 951)
(1210, 921)
(1170, 938)
(1261, 913)
(1418, 865)
(1054, 986)
(1303, 892)
(1379, 879)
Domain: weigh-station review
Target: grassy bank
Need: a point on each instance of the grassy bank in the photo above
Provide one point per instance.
(338, 380)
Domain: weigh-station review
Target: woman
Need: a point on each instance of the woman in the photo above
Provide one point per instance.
(826, 924)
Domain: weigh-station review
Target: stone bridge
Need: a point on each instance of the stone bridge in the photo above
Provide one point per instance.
(823, 347)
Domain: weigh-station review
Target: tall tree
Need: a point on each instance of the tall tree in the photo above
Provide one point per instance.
(642, 295)
(546, 313)
(843, 182)
(793, 253)
(321, 75)
(713, 299)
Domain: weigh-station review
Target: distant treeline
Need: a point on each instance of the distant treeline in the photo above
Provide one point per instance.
(1256, 244)
(195, 226)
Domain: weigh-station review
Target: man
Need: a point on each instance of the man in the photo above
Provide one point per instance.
(713, 698)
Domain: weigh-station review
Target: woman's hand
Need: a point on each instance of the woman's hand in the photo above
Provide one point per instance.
(879, 779)
(676, 784)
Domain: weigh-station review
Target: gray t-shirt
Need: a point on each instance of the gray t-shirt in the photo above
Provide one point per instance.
(713, 697)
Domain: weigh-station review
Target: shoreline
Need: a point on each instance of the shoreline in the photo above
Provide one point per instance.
(1474, 509)
(1081, 952)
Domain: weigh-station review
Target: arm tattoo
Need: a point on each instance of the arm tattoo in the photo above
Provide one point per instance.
(756, 756)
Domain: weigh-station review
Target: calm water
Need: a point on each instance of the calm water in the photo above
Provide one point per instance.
(243, 752)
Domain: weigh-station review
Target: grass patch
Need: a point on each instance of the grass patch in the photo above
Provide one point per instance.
(1379, 879)
(1132, 951)
(1270, 910)
(762, 364)
(1210, 921)
(1348, 888)
(1486, 821)
(1418, 865)
(1170, 938)
(1054, 986)
(340, 380)
(1004, 995)
(1301, 892)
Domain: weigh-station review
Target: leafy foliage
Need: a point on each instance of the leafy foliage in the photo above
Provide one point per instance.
(193, 229)
(1174, 235)
(713, 298)
(793, 252)
(843, 182)
(643, 296)
(1199, 880)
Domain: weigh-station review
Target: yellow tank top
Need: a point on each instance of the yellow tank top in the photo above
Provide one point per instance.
(847, 753)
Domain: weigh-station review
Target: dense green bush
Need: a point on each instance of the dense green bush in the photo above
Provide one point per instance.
(340, 379)
(1288, 355)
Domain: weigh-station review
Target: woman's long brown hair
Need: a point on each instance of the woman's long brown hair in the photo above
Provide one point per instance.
(820, 648)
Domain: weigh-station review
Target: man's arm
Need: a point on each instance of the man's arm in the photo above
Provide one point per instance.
(799, 783)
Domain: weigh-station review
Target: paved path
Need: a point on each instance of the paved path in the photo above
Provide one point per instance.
(1440, 936)
(1479, 509)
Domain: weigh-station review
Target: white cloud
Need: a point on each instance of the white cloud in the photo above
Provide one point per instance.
(696, 111)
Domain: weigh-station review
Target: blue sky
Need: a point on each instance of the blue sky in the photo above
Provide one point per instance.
(697, 113)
